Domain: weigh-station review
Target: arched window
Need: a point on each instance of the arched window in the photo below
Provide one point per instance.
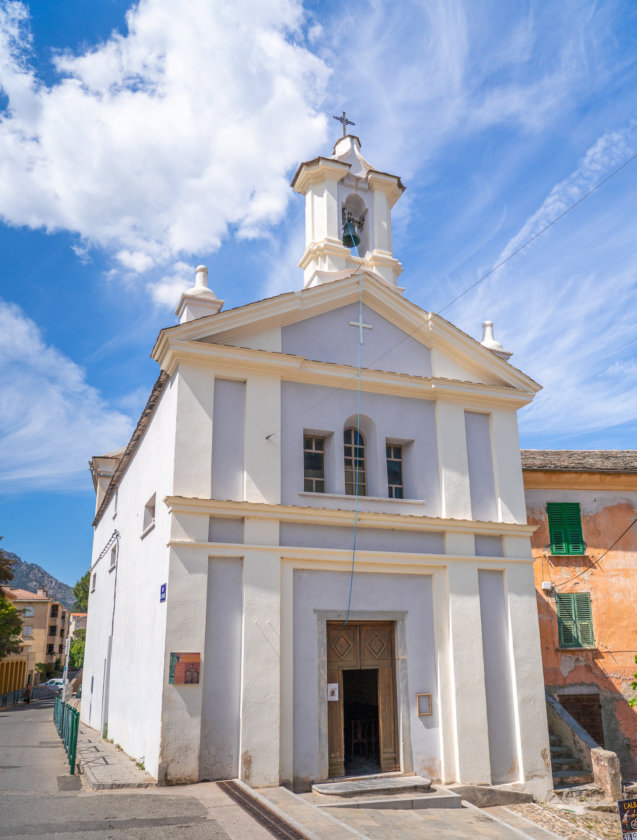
(355, 463)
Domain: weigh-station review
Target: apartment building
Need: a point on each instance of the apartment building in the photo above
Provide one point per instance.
(45, 626)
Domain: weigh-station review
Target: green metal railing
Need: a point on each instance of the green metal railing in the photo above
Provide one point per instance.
(67, 720)
(10, 698)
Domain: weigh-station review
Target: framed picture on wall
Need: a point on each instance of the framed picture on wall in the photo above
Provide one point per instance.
(424, 704)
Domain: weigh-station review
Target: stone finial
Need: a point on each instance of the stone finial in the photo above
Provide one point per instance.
(199, 300)
(201, 277)
(488, 341)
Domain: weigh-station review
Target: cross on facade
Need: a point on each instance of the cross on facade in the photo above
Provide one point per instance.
(361, 326)
(345, 122)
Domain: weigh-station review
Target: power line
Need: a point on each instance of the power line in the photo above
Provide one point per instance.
(539, 233)
(600, 558)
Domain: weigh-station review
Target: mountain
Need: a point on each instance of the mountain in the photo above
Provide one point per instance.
(29, 576)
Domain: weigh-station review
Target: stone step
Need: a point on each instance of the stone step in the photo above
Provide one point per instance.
(374, 785)
(397, 801)
(567, 762)
(570, 778)
(561, 750)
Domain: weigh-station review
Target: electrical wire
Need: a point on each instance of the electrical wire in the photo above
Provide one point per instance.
(599, 559)
(355, 448)
(463, 293)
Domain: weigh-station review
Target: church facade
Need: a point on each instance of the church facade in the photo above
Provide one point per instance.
(312, 558)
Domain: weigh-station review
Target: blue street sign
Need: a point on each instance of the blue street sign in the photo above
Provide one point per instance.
(162, 593)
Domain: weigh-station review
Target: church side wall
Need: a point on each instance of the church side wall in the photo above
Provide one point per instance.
(126, 621)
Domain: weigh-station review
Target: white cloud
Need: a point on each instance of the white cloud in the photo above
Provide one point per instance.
(152, 143)
(167, 290)
(51, 421)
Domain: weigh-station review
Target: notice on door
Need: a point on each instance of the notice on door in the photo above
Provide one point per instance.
(628, 817)
(332, 691)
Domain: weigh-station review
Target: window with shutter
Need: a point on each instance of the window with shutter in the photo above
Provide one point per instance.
(565, 527)
(574, 619)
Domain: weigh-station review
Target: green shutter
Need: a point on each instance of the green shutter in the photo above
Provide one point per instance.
(566, 623)
(565, 527)
(584, 615)
(574, 619)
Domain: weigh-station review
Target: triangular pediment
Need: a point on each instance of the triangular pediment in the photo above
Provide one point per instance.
(320, 324)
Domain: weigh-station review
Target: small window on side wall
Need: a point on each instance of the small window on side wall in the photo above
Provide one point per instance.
(565, 528)
(113, 557)
(149, 514)
(313, 464)
(93, 581)
(395, 484)
(28, 612)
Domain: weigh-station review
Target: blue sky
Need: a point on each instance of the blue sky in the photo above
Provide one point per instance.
(149, 138)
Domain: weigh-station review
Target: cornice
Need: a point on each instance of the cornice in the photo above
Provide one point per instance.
(572, 480)
(391, 185)
(240, 361)
(337, 517)
(469, 350)
(326, 247)
(338, 556)
(426, 328)
(321, 168)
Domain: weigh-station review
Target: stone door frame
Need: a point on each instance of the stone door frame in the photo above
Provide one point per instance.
(402, 688)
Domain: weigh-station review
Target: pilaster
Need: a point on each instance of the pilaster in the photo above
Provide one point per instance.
(193, 436)
(472, 731)
(263, 439)
(526, 657)
(260, 742)
(452, 459)
(185, 632)
(509, 486)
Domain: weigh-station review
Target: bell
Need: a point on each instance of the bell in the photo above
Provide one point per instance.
(351, 237)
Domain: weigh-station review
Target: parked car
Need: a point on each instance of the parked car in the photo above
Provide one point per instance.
(56, 683)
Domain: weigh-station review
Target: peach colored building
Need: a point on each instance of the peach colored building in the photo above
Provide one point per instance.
(586, 578)
(45, 625)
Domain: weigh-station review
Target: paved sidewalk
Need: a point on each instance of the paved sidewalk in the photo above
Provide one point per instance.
(105, 766)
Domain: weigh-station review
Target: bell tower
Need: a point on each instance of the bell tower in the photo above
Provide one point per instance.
(347, 215)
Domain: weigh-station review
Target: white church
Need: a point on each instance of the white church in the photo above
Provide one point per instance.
(311, 560)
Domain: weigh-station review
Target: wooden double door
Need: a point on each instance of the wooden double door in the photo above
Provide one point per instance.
(362, 646)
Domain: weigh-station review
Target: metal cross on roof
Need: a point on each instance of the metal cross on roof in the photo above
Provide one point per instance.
(345, 122)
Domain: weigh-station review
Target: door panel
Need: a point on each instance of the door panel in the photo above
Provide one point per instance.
(362, 645)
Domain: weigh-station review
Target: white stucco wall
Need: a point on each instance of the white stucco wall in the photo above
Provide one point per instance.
(136, 668)
(382, 596)
(331, 338)
(399, 419)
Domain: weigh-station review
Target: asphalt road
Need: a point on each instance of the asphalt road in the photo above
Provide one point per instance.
(38, 797)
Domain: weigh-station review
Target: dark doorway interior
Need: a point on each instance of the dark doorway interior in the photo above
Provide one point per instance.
(360, 713)
(587, 711)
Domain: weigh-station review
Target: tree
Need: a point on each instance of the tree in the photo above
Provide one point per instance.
(10, 628)
(80, 590)
(42, 669)
(6, 567)
(76, 651)
(10, 621)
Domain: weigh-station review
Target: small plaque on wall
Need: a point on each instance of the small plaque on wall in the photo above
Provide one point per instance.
(424, 704)
(332, 691)
(184, 668)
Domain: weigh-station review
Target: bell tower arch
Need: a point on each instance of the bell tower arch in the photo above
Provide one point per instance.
(348, 208)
